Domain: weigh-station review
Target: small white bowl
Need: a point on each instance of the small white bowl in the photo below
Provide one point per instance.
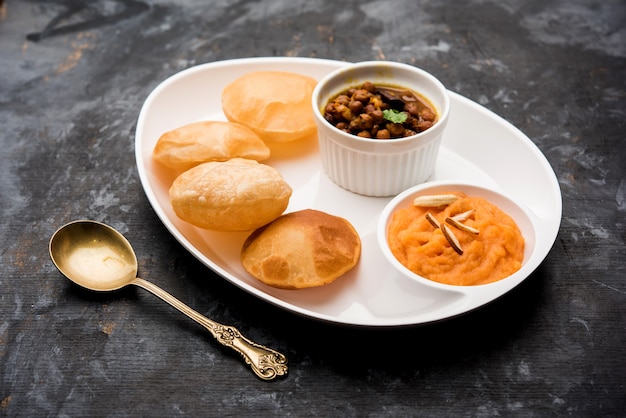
(375, 167)
(521, 214)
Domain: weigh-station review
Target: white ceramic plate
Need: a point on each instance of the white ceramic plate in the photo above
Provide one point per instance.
(478, 146)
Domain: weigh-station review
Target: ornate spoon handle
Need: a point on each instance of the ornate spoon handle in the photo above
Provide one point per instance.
(265, 362)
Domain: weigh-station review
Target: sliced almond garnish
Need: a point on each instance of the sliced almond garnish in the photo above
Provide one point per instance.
(433, 201)
(452, 239)
(461, 226)
(463, 216)
(433, 221)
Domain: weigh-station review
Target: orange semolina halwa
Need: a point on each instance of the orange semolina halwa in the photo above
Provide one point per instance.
(494, 253)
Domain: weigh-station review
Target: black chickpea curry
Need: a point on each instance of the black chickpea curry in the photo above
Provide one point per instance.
(380, 111)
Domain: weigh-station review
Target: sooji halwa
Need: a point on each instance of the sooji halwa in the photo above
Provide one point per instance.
(380, 112)
(460, 241)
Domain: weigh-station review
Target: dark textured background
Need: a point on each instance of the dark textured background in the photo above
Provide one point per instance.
(73, 77)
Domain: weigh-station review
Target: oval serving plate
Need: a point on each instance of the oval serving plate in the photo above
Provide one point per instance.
(478, 146)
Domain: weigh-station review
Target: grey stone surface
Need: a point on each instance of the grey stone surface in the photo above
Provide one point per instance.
(73, 78)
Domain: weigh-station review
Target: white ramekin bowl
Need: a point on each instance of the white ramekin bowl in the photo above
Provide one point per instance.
(375, 167)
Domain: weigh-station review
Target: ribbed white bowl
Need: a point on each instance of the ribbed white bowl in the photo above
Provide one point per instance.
(374, 167)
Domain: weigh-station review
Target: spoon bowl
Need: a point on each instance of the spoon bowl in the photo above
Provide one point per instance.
(97, 257)
(93, 255)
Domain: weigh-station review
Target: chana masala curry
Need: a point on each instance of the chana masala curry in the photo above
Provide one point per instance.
(380, 111)
(456, 239)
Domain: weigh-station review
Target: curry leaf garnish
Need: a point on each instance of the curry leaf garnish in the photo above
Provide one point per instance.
(394, 116)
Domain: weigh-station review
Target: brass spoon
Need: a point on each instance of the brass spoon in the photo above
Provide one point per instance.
(97, 257)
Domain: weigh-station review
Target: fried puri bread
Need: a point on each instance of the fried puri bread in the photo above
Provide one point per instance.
(301, 249)
(199, 142)
(276, 105)
(234, 195)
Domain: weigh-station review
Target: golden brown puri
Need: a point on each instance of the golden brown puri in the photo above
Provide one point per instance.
(234, 195)
(199, 142)
(302, 249)
(276, 105)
